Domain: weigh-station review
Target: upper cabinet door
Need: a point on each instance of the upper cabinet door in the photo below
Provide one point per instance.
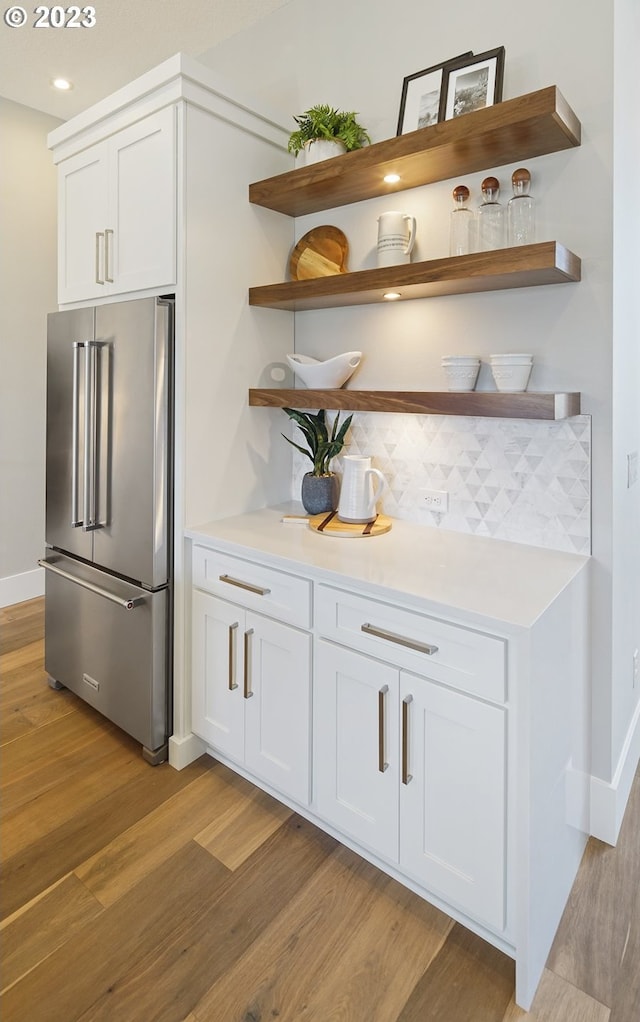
(141, 251)
(117, 213)
(82, 219)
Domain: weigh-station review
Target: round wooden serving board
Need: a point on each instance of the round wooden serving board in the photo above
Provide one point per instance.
(322, 252)
(329, 524)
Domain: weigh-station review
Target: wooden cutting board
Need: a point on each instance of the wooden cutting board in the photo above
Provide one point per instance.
(322, 252)
(328, 524)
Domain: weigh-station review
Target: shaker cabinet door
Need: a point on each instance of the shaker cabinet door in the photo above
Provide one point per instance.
(277, 667)
(217, 710)
(82, 219)
(356, 754)
(452, 808)
(141, 250)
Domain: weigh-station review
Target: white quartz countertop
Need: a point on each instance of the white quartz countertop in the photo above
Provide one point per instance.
(493, 580)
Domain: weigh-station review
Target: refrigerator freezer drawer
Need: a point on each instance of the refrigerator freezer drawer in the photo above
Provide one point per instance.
(108, 641)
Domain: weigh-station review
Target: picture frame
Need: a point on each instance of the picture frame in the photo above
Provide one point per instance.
(421, 98)
(472, 83)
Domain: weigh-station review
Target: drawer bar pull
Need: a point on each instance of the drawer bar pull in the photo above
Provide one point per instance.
(381, 633)
(232, 657)
(382, 765)
(406, 776)
(258, 590)
(247, 663)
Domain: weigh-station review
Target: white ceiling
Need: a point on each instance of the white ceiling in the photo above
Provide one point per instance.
(128, 39)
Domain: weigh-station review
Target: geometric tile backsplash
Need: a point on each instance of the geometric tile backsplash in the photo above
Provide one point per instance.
(524, 480)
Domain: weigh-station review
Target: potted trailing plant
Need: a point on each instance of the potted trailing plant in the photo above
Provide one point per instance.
(319, 491)
(324, 131)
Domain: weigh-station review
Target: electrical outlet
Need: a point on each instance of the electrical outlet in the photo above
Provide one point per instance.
(436, 500)
(636, 667)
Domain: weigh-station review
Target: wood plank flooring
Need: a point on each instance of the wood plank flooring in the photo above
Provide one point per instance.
(132, 893)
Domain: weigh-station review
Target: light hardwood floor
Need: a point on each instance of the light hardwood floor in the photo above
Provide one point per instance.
(133, 893)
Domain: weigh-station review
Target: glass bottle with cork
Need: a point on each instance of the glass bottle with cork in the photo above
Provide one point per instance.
(461, 223)
(521, 220)
(491, 219)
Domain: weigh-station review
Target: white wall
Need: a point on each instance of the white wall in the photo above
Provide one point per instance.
(355, 56)
(27, 293)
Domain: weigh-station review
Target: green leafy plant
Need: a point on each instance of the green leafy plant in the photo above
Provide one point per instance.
(322, 445)
(325, 122)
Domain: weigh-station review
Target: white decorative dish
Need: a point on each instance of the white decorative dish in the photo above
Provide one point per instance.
(461, 371)
(513, 378)
(327, 375)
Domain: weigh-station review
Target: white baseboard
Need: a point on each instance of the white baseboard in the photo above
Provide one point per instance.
(183, 751)
(609, 799)
(18, 588)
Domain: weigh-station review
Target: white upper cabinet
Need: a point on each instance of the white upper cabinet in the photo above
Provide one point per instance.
(117, 213)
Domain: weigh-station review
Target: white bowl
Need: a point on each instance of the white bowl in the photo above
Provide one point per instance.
(511, 359)
(460, 360)
(513, 378)
(327, 375)
(461, 375)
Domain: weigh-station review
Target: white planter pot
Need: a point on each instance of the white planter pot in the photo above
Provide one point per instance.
(321, 149)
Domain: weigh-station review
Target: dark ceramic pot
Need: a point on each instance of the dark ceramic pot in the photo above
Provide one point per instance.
(319, 493)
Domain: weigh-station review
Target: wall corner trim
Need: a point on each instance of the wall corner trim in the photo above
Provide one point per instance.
(609, 799)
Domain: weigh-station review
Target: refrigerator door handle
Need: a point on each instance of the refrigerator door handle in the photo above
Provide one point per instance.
(90, 436)
(128, 603)
(75, 434)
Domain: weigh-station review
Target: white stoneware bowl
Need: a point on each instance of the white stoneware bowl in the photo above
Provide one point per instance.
(461, 371)
(504, 360)
(513, 378)
(327, 375)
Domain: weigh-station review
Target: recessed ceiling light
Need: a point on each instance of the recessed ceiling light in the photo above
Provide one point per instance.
(391, 179)
(63, 84)
(391, 296)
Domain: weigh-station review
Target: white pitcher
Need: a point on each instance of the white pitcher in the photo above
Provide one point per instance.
(358, 494)
(396, 238)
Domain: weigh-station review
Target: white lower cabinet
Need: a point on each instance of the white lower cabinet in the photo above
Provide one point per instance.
(416, 773)
(251, 679)
(453, 797)
(357, 746)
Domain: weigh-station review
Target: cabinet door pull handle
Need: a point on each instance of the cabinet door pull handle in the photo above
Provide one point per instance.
(247, 663)
(406, 776)
(232, 656)
(107, 256)
(381, 633)
(99, 234)
(258, 590)
(382, 765)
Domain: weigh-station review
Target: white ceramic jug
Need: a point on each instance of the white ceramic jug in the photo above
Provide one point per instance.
(396, 238)
(358, 495)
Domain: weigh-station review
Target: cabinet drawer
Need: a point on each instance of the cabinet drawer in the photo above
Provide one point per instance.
(267, 590)
(459, 657)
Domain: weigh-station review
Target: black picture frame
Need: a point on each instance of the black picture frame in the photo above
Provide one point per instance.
(421, 98)
(471, 84)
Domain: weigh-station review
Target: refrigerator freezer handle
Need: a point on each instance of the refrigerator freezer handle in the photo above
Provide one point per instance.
(128, 603)
(75, 434)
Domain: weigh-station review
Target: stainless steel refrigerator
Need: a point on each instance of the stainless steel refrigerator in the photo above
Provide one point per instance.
(108, 606)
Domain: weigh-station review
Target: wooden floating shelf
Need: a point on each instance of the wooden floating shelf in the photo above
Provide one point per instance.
(518, 129)
(547, 262)
(527, 405)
